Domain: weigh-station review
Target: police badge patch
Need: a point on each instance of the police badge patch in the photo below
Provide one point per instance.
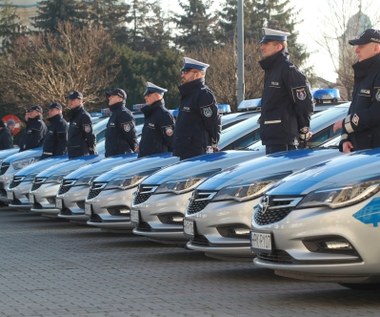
(169, 131)
(126, 127)
(87, 128)
(377, 96)
(207, 112)
(301, 93)
(355, 119)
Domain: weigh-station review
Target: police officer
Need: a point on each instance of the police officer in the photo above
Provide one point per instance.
(35, 130)
(198, 125)
(56, 139)
(6, 140)
(361, 127)
(157, 133)
(81, 139)
(286, 98)
(121, 135)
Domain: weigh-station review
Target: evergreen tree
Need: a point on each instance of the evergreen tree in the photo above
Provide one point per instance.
(196, 25)
(109, 14)
(53, 12)
(9, 24)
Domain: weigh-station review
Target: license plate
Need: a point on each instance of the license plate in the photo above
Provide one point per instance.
(261, 241)
(87, 209)
(31, 198)
(10, 195)
(135, 216)
(58, 203)
(188, 227)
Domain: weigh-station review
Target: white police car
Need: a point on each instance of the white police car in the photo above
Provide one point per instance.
(322, 224)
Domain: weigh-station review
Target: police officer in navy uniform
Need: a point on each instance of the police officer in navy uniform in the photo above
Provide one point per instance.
(361, 127)
(56, 139)
(6, 140)
(121, 135)
(286, 99)
(157, 133)
(198, 124)
(35, 130)
(81, 139)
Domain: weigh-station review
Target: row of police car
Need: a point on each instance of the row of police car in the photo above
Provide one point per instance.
(308, 214)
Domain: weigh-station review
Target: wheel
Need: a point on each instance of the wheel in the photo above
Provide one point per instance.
(362, 286)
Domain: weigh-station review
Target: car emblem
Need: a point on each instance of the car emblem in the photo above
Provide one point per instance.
(264, 204)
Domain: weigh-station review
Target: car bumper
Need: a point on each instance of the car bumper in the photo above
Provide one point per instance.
(299, 245)
(71, 204)
(161, 217)
(222, 229)
(43, 199)
(110, 209)
(19, 196)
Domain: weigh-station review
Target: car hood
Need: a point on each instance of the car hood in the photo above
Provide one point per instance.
(340, 171)
(102, 166)
(269, 167)
(36, 152)
(36, 167)
(203, 164)
(144, 165)
(70, 165)
(8, 152)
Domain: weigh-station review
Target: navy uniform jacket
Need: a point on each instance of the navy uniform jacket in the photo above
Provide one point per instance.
(121, 135)
(81, 139)
(286, 101)
(6, 140)
(198, 123)
(34, 134)
(157, 133)
(56, 138)
(362, 125)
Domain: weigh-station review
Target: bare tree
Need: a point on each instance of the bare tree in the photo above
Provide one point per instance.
(221, 76)
(43, 68)
(345, 21)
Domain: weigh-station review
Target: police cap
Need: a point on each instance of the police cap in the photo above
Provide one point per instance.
(368, 36)
(35, 108)
(190, 63)
(74, 95)
(151, 88)
(274, 35)
(117, 92)
(55, 105)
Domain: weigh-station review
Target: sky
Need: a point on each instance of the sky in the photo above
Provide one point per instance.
(318, 18)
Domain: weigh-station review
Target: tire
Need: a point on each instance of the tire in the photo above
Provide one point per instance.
(362, 286)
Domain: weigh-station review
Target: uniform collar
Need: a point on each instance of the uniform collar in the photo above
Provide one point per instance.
(149, 109)
(116, 106)
(187, 88)
(270, 61)
(363, 68)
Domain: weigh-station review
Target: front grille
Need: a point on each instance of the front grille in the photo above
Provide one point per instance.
(16, 181)
(4, 167)
(65, 186)
(199, 201)
(96, 189)
(274, 208)
(143, 193)
(277, 256)
(37, 182)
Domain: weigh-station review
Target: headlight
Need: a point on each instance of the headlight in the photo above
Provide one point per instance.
(84, 181)
(340, 196)
(125, 183)
(55, 179)
(242, 192)
(22, 163)
(179, 186)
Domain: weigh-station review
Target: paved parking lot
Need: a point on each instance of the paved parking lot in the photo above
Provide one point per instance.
(50, 267)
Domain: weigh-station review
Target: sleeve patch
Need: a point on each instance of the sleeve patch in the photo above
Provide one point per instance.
(301, 93)
(87, 128)
(207, 112)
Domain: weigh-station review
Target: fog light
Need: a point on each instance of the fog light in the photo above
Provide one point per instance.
(241, 231)
(337, 245)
